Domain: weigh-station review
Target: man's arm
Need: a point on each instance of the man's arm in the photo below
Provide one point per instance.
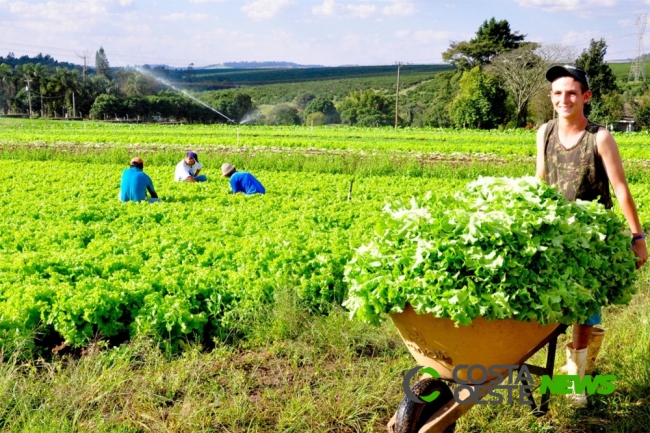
(540, 172)
(233, 186)
(152, 192)
(183, 174)
(608, 151)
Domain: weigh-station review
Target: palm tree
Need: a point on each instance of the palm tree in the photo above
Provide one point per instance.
(5, 93)
(38, 74)
(136, 84)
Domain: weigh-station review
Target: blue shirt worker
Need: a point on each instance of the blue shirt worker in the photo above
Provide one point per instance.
(242, 181)
(136, 183)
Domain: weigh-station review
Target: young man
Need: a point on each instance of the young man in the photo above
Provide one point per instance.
(581, 158)
(135, 183)
(241, 181)
(188, 169)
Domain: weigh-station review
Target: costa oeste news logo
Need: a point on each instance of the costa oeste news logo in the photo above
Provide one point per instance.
(518, 377)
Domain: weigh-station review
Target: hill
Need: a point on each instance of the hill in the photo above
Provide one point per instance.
(216, 79)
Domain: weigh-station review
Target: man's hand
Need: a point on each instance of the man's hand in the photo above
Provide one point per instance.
(190, 179)
(640, 250)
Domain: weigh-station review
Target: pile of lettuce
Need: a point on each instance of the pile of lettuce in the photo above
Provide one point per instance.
(502, 248)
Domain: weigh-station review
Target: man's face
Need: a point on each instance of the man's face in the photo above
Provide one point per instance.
(567, 97)
(189, 160)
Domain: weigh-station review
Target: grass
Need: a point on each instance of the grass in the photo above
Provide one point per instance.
(296, 373)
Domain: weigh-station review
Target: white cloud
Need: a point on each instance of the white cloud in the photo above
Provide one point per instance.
(199, 2)
(264, 9)
(184, 16)
(328, 8)
(576, 38)
(361, 11)
(399, 8)
(565, 5)
(126, 2)
(333, 9)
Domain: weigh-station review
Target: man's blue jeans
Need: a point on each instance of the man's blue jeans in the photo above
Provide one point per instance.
(201, 178)
(595, 319)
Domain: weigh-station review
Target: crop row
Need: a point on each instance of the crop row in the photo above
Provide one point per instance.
(506, 143)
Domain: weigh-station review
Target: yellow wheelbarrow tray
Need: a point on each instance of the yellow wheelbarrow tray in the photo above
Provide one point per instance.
(436, 342)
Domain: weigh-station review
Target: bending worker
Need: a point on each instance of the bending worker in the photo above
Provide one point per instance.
(242, 181)
(136, 183)
(188, 169)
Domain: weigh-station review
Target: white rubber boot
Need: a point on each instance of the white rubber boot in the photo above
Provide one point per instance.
(576, 364)
(595, 341)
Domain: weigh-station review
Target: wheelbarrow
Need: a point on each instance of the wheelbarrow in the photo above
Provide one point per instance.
(437, 343)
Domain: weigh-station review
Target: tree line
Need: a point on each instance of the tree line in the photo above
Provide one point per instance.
(497, 81)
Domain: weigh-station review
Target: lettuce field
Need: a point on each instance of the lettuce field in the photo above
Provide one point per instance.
(77, 265)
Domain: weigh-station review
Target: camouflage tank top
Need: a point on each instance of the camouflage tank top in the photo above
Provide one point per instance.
(578, 172)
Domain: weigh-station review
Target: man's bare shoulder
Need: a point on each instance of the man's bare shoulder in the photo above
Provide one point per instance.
(605, 142)
(603, 135)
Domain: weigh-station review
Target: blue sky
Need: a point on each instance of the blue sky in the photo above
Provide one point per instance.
(325, 32)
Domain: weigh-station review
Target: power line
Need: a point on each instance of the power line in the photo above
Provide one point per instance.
(637, 69)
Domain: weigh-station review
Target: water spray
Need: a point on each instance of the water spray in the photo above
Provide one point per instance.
(168, 84)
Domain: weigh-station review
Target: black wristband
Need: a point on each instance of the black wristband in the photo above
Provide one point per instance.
(638, 238)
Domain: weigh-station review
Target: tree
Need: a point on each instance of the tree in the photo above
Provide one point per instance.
(136, 84)
(642, 111)
(480, 102)
(101, 63)
(301, 101)
(107, 106)
(492, 38)
(522, 73)
(282, 114)
(231, 103)
(325, 106)
(137, 106)
(316, 119)
(601, 77)
(608, 109)
(367, 108)
(38, 75)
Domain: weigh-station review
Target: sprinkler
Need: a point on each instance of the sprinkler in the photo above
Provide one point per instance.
(166, 83)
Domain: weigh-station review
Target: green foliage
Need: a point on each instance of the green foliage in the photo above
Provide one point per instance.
(642, 111)
(107, 106)
(283, 114)
(492, 37)
(101, 63)
(431, 100)
(608, 109)
(316, 119)
(325, 106)
(503, 248)
(301, 101)
(601, 77)
(480, 103)
(234, 104)
(367, 108)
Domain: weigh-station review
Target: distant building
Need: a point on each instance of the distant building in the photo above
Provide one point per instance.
(626, 124)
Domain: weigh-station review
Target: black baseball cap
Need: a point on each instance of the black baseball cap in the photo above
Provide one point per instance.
(577, 73)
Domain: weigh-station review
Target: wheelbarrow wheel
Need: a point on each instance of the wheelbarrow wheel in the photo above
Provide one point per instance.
(411, 416)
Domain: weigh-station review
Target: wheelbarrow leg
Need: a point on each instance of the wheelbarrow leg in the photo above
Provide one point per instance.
(550, 366)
